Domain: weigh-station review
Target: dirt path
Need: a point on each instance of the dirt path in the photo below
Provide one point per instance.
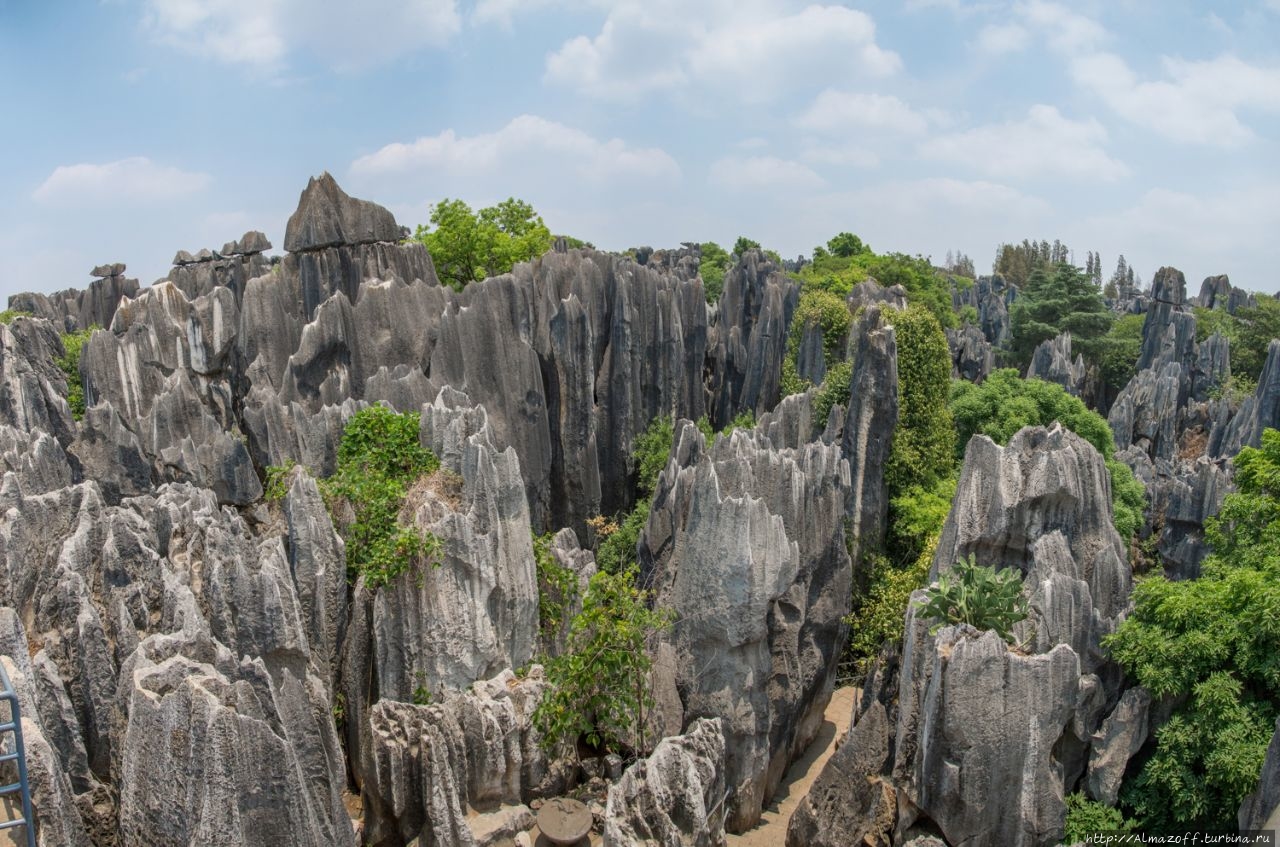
(771, 831)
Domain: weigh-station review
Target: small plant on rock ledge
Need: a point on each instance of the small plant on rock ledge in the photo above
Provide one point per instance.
(979, 596)
(379, 460)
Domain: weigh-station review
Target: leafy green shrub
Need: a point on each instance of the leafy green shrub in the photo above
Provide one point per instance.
(978, 596)
(379, 458)
(277, 481)
(1128, 499)
(878, 617)
(557, 587)
(69, 363)
(1086, 817)
(968, 314)
(1256, 326)
(650, 451)
(916, 515)
(1212, 644)
(7, 316)
(598, 688)
(833, 391)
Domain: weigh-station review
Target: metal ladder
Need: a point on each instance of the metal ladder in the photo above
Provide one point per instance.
(19, 755)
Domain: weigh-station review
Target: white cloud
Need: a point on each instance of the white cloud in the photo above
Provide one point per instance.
(1043, 144)
(844, 156)
(133, 180)
(1196, 102)
(752, 50)
(1067, 31)
(762, 173)
(998, 39)
(527, 141)
(845, 111)
(262, 33)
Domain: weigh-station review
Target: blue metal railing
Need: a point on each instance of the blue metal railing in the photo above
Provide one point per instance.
(19, 755)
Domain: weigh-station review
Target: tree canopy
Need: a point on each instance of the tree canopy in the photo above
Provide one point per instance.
(470, 246)
(1063, 300)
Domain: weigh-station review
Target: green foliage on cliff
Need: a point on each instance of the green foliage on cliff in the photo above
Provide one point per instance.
(469, 246)
(979, 596)
(840, 272)
(1213, 645)
(919, 473)
(8, 315)
(712, 266)
(1087, 817)
(1119, 350)
(379, 460)
(69, 363)
(557, 586)
(878, 615)
(598, 689)
(1249, 331)
(1005, 403)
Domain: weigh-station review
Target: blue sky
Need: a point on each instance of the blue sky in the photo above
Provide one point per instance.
(1144, 127)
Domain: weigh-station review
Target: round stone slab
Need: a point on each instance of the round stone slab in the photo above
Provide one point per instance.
(564, 820)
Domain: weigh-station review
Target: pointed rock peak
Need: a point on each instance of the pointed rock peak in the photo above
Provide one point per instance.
(1169, 286)
(329, 217)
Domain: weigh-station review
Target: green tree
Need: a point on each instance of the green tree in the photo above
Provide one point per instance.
(1212, 645)
(1065, 300)
(713, 265)
(847, 244)
(1119, 350)
(743, 244)
(467, 247)
(598, 688)
(1258, 325)
(1004, 404)
(925, 285)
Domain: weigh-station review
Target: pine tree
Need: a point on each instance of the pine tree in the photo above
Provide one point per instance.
(1053, 302)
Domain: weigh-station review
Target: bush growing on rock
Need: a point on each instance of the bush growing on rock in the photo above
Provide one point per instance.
(598, 688)
(69, 362)
(1213, 645)
(379, 459)
(879, 616)
(981, 597)
(1087, 817)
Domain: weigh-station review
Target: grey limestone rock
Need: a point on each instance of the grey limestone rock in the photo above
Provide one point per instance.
(972, 356)
(1052, 362)
(674, 796)
(224, 752)
(749, 338)
(761, 527)
(852, 801)
(424, 765)
(1121, 735)
(869, 291)
(328, 217)
(1169, 331)
(1042, 505)
(868, 430)
(32, 388)
(476, 613)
